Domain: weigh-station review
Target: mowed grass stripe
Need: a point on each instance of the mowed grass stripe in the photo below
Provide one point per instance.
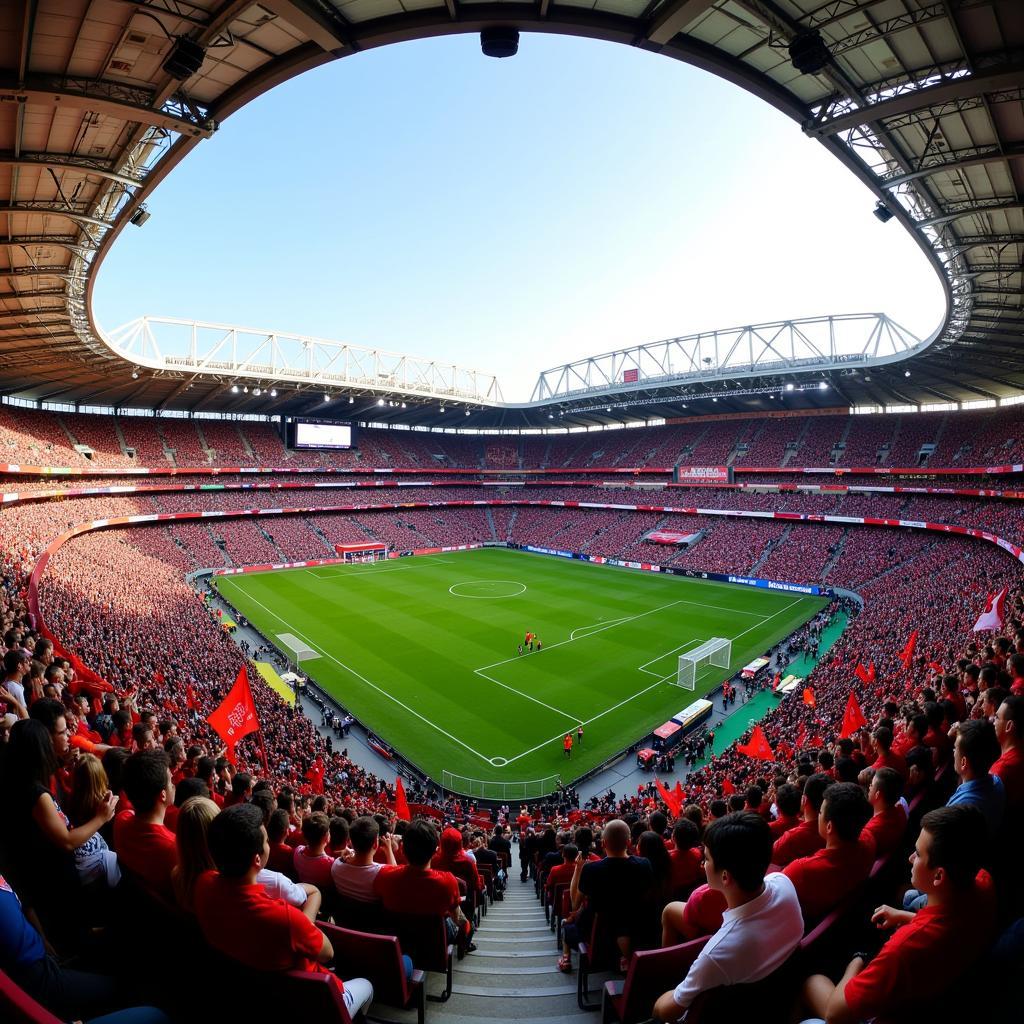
(405, 633)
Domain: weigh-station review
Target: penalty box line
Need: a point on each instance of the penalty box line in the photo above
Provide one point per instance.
(362, 678)
(598, 628)
(658, 682)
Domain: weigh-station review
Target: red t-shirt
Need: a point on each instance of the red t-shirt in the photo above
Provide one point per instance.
(255, 929)
(171, 818)
(315, 870)
(687, 868)
(411, 890)
(923, 958)
(824, 878)
(147, 851)
(1010, 768)
(703, 912)
(887, 829)
(894, 761)
(282, 858)
(800, 841)
(560, 874)
(783, 824)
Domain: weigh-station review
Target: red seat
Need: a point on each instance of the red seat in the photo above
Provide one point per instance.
(379, 959)
(309, 996)
(599, 953)
(18, 1007)
(651, 972)
(424, 937)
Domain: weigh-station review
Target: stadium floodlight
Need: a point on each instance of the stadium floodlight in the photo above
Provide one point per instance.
(380, 401)
(906, 373)
(789, 387)
(822, 385)
(273, 392)
(350, 400)
(234, 389)
(140, 216)
(327, 397)
(717, 652)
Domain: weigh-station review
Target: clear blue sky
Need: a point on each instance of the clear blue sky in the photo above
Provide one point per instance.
(511, 215)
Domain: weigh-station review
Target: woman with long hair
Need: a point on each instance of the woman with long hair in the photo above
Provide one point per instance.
(194, 858)
(95, 862)
(39, 840)
(652, 846)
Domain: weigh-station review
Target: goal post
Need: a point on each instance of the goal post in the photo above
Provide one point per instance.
(717, 652)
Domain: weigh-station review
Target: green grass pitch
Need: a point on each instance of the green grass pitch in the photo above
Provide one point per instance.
(424, 651)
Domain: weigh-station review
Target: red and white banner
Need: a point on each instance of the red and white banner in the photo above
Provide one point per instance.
(993, 615)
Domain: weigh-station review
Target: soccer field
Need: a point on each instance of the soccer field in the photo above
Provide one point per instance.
(424, 651)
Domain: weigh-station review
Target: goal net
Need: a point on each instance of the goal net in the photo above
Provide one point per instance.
(717, 652)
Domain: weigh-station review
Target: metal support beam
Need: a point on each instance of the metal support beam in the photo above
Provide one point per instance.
(70, 162)
(328, 33)
(53, 208)
(97, 98)
(964, 87)
(672, 17)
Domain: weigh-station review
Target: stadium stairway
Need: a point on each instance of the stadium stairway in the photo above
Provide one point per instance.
(513, 975)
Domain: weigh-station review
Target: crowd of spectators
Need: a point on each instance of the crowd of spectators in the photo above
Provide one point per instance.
(90, 787)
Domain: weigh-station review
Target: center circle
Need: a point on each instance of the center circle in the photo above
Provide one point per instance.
(487, 590)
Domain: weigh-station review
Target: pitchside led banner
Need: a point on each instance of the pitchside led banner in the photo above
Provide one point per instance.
(704, 475)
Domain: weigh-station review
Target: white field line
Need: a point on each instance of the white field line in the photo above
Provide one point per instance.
(348, 668)
(647, 689)
(598, 628)
(343, 575)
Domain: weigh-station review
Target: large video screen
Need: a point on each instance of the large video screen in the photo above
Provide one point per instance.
(322, 435)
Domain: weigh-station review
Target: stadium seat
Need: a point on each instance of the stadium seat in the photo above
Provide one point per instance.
(651, 973)
(18, 1007)
(379, 959)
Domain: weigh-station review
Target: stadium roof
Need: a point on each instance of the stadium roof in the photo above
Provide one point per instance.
(922, 99)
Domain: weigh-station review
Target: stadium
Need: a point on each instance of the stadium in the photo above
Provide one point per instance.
(689, 688)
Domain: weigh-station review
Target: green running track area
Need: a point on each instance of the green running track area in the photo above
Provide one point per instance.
(423, 651)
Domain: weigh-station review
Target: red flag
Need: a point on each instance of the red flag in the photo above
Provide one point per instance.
(236, 716)
(679, 794)
(784, 749)
(758, 747)
(816, 741)
(992, 616)
(191, 700)
(809, 699)
(727, 787)
(316, 774)
(853, 718)
(865, 675)
(401, 803)
(775, 681)
(672, 802)
(907, 654)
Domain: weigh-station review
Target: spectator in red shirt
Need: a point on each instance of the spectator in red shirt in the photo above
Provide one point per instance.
(561, 874)
(1010, 765)
(951, 691)
(805, 838)
(450, 857)
(687, 858)
(888, 821)
(282, 856)
(145, 846)
(312, 863)
(930, 950)
(240, 920)
(823, 879)
(881, 744)
(416, 888)
(787, 803)
(241, 790)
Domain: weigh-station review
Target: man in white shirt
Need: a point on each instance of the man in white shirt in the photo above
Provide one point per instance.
(354, 878)
(281, 887)
(762, 924)
(15, 668)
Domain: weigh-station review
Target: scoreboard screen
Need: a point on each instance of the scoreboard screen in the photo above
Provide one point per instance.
(321, 435)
